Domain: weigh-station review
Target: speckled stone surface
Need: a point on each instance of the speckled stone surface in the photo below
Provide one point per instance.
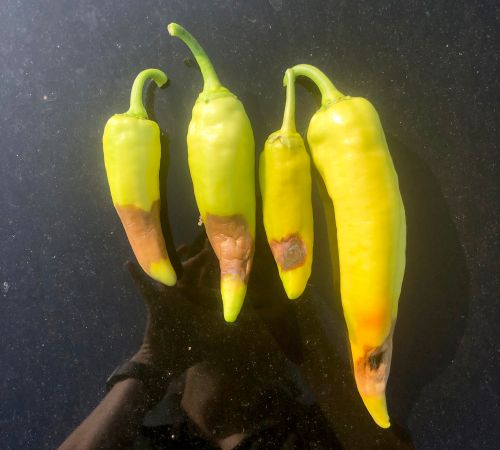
(68, 311)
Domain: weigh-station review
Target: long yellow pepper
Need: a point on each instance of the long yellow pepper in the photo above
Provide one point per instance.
(132, 153)
(285, 183)
(349, 150)
(221, 156)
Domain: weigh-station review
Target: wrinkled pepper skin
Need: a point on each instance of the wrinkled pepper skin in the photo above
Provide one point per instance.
(132, 153)
(285, 184)
(221, 157)
(349, 149)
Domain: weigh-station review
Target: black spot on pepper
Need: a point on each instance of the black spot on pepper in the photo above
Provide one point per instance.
(375, 359)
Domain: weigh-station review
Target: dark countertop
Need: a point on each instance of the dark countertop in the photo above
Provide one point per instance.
(68, 311)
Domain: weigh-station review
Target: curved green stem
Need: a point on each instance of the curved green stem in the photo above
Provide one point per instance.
(210, 78)
(136, 106)
(289, 114)
(329, 93)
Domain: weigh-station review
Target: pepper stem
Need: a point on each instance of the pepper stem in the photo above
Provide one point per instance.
(136, 106)
(329, 93)
(289, 114)
(210, 78)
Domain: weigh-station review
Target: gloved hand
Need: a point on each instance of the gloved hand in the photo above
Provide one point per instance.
(185, 325)
(178, 317)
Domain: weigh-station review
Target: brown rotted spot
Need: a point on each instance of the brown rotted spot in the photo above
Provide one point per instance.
(372, 369)
(232, 243)
(375, 359)
(290, 252)
(144, 233)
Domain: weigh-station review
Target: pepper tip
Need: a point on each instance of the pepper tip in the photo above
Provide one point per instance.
(163, 272)
(233, 292)
(377, 407)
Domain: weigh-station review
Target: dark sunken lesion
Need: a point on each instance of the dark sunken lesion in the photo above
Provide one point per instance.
(290, 252)
(372, 369)
(375, 360)
(232, 243)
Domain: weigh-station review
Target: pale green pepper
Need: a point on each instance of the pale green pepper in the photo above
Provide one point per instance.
(221, 156)
(132, 153)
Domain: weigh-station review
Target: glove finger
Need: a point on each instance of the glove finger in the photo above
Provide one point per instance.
(194, 263)
(141, 280)
(206, 244)
(202, 275)
(182, 251)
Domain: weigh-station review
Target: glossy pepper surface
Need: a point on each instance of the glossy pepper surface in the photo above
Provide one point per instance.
(221, 157)
(349, 149)
(132, 153)
(285, 184)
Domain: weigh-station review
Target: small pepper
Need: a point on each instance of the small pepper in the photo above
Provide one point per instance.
(285, 184)
(132, 153)
(221, 157)
(349, 149)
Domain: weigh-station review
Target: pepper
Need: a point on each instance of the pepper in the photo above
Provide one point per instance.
(285, 184)
(132, 153)
(221, 157)
(349, 149)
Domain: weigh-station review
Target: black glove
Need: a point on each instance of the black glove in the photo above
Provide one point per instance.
(179, 317)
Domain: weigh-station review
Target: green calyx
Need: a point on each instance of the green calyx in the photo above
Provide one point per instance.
(329, 93)
(211, 81)
(136, 106)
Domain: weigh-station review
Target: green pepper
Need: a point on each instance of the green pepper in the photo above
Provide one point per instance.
(221, 156)
(349, 149)
(132, 153)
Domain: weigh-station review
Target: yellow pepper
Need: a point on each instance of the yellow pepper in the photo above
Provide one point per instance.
(132, 153)
(221, 157)
(349, 149)
(285, 184)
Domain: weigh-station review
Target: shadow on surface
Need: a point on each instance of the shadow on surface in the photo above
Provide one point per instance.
(435, 299)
